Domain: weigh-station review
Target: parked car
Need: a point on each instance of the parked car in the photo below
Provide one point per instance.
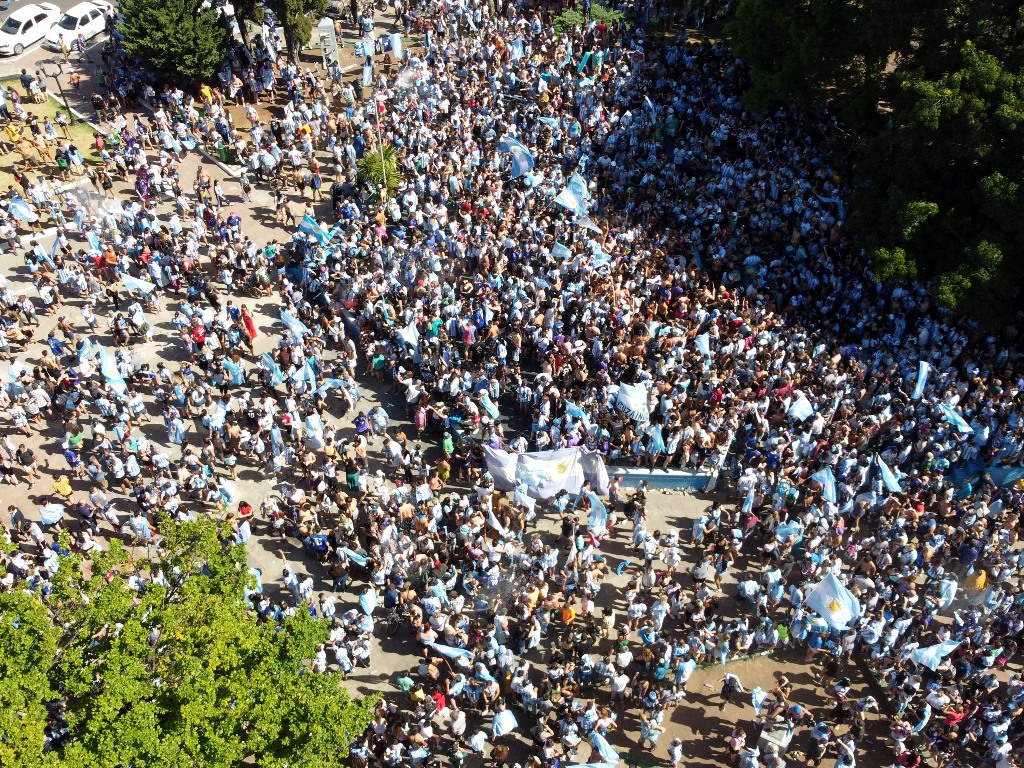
(25, 26)
(86, 19)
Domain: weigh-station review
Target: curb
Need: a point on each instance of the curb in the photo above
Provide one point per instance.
(61, 106)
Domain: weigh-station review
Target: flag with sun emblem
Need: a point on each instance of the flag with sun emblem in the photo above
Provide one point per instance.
(522, 160)
(834, 602)
(552, 471)
(542, 474)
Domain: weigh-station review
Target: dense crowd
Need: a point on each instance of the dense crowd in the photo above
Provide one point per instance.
(872, 436)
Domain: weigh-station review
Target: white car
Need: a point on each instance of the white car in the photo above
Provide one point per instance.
(86, 19)
(25, 26)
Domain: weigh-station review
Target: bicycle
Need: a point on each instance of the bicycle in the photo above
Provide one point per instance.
(393, 621)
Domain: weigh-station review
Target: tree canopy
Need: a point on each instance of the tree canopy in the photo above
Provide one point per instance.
(296, 18)
(380, 169)
(934, 95)
(178, 40)
(179, 674)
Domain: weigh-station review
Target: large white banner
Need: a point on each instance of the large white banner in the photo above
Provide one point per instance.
(632, 401)
(545, 473)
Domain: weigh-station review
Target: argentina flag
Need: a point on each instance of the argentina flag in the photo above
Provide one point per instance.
(310, 226)
(522, 160)
(831, 600)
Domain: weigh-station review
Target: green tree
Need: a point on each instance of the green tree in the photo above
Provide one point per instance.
(932, 91)
(813, 51)
(247, 11)
(178, 40)
(379, 168)
(28, 644)
(179, 675)
(573, 18)
(945, 182)
(297, 18)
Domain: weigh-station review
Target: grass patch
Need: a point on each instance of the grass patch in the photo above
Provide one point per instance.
(82, 134)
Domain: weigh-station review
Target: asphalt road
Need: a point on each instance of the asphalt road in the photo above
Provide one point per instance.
(33, 56)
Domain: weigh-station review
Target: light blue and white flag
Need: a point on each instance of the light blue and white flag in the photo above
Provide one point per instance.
(94, 242)
(136, 284)
(522, 159)
(650, 106)
(888, 478)
(947, 592)
(831, 600)
(361, 560)
(87, 350)
(315, 430)
(396, 46)
(923, 369)
(748, 501)
(410, 335)
(504, 722)
(522, 498)
(594, 470)
(575, 196)
(20, 210)
(531, 477)
(451, 652)
(559, 251)
(758, 698)
(574, 410)
(502, 465)
(310, 226)
(828, 482)
(80, 219)
(219, 416)
(368, 601)
(598, 513)
(15, 370)
(515, 49)
(933, 655)
(277, 375)
(110, 371)
(293, 324)
(632, 400)
(328, 385)
(548, 472)
(494, 523)
(703, 344)
(801, 409)
(53, 253)
(489, 407)
(577, 182)
(588, 223)
(550, 122)
(568, 56)
(583, 63)
(604, 749)
(955, 419)
(785, 531)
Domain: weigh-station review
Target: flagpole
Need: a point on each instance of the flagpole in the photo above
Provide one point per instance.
(380, 145)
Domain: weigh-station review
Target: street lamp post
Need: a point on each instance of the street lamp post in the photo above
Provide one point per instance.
(47, 68)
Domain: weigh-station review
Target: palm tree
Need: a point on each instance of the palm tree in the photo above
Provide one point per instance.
(380, 169)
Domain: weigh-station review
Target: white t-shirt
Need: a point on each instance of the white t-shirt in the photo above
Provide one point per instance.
(619, 683)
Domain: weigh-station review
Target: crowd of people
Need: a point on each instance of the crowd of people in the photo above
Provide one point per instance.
(872, 436)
